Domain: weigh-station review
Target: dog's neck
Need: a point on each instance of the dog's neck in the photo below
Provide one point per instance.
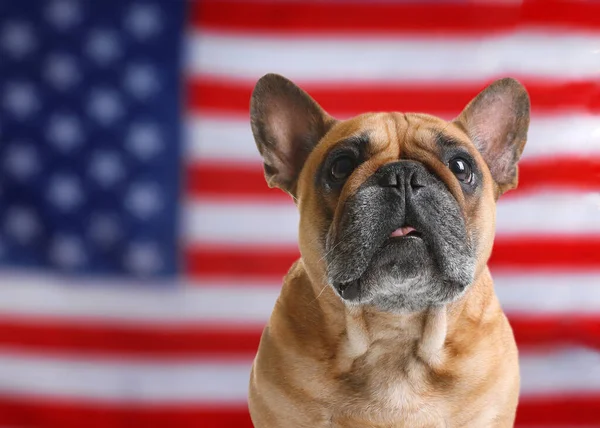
(352, 330)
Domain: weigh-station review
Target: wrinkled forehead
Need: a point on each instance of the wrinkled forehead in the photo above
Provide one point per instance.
(394, 134)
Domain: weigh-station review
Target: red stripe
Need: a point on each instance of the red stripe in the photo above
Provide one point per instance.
(259, 261)
(343, 100)
(532, 330)
(247, 180)
(53, 413)
(548, 253)
(51, 336)
(555, 254)
(554, 411)
(559, 173)
(181, 341)
(227, 181)
(573, 411)
(318, 18)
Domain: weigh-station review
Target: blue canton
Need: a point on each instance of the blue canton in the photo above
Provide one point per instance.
(90, 145)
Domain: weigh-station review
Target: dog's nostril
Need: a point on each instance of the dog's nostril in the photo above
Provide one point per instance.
(416, 183)
(389, 180)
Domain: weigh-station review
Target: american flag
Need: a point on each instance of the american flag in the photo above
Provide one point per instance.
(141, 249)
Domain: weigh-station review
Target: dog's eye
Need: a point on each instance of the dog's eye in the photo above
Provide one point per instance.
(342, 167)
(461, 168)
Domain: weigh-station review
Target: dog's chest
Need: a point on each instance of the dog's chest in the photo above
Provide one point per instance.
(389, 387)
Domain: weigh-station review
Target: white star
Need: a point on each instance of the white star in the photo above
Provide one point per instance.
(104, 105)
(104, 229)
(144, 140)
(103, 46)
(21, 160)
(21, 224)
(141, 81)
(62, 71)
(143, 21)
(106, 168)
(143, 258)
(64, 131)
(18, 39)
(20, 99)
(65, 192)
(67, 252)
(63, 14)
(144, 200)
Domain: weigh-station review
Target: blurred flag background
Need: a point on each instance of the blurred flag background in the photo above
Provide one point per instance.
(141, 250)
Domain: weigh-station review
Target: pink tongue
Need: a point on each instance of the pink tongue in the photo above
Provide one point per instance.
(403, 231)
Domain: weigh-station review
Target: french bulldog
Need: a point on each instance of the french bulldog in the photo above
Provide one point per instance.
(389, 318)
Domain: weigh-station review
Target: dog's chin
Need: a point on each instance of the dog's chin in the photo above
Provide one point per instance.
(402, 276)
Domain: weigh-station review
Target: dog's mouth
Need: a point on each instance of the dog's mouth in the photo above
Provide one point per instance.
(405, 231)
(351, 290)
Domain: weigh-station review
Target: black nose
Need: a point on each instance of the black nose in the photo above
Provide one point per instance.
(403, 174)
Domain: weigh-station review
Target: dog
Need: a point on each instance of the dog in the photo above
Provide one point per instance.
(389, 318)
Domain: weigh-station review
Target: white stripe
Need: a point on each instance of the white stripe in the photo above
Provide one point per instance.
(451, 59)
(526, 293)
(549, 213)
(220, 139)
(230, 139)
(251, 302)
(532, 294)
(565, 371)
(108, 301)
(122, 381)
(242, 222)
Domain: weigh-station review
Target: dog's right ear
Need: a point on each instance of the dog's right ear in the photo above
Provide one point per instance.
(287, 124)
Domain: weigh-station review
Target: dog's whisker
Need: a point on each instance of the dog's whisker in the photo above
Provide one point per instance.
(319, 295)
(340, 241)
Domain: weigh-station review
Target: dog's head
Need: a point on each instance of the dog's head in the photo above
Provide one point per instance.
(396, 210)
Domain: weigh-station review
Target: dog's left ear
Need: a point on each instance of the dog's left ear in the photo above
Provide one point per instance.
(497, 121)
(287, 124)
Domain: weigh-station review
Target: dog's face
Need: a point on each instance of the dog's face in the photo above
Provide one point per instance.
(397, 210)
